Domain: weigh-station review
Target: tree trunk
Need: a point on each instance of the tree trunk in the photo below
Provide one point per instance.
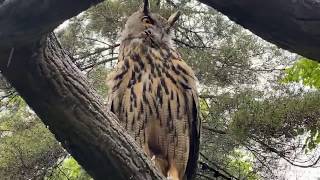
(291, 24)
(55, 89)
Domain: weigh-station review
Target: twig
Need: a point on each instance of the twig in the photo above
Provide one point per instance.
(223, 174)
(213, 130)
(204, 96)
(98, 63)
(172, 3)
(205, 176)
(93, 39)
(97, 51)
(189, 45)
(10, 57)
(281, 154)
(11, 93)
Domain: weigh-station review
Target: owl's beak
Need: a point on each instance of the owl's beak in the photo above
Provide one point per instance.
(173, 19)
(146, 7)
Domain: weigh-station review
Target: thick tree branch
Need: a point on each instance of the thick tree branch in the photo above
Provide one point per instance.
(292, 25)
(22, 22)
(56, 90)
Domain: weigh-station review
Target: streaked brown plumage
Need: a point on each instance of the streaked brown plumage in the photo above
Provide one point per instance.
(153, 93)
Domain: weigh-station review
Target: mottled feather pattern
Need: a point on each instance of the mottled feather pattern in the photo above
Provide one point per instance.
(153, 93)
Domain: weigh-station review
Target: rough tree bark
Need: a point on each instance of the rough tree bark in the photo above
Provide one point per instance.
(45, 77)
(291, 24)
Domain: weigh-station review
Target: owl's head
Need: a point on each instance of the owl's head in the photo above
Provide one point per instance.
(144, 23)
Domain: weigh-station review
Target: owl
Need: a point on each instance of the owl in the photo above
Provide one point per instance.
(153, 94)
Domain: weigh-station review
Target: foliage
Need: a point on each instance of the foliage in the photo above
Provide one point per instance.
(97, 78)
(241, 163)
(305, 71)
(69, 169)
(27, 148)
(279, 119)
(268, 128)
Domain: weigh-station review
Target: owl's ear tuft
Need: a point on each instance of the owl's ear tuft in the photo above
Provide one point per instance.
(172, 19)
(146, 7)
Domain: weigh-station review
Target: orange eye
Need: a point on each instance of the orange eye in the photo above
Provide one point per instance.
(147, 20)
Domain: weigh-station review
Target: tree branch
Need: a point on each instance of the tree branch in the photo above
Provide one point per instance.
(207, 96)
(268, 148)
(282, 154)
(98, 63)
(96, 51)
(292, 25)
(214, 130)
(23, 21)
(219, 171)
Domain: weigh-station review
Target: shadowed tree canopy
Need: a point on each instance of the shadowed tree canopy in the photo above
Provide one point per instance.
(44, 75)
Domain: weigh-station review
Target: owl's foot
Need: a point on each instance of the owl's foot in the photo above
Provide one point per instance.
(169, 178)
(172, 174)
(172, 178)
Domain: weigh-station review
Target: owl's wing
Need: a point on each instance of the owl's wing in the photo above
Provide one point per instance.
(186, 75)
(194, 135)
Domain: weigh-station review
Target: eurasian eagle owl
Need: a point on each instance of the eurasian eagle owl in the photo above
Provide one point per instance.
(153, 93)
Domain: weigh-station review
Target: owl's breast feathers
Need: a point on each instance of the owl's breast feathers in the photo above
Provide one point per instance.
(153, 93)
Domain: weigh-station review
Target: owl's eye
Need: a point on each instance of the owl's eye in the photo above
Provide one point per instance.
(147, 20)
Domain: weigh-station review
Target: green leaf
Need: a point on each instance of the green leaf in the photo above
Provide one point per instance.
(305, 71)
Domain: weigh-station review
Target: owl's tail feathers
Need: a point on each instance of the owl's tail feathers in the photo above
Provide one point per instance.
(173, 173)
